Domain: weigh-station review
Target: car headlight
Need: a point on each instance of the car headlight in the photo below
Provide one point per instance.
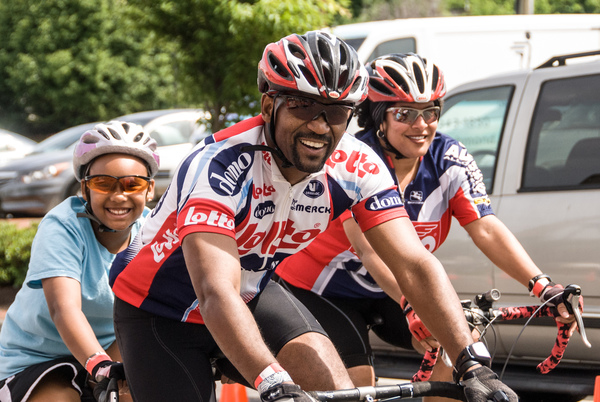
(46, 173)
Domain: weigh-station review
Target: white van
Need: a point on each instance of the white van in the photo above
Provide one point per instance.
(469, 48)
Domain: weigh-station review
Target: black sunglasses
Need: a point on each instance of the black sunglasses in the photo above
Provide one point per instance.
(310, 109)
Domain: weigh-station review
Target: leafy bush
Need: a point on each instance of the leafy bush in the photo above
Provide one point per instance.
(15, 250)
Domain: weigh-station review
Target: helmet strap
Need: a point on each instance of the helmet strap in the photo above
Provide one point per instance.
(387, 146)
(89, 213)
(270, 127)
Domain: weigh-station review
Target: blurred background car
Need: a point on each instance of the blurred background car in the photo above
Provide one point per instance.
(14, 146)
(36, 183)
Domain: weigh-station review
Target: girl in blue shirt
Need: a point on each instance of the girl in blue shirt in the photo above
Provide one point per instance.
(59, 330)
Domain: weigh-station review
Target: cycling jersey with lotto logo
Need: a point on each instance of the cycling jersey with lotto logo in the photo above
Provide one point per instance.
(448, 183)
(223, 186)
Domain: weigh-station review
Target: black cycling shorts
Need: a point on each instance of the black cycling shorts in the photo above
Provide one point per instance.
(18, 388)
(347, 322)
(168, 360)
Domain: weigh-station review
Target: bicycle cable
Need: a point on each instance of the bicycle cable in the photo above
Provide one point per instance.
(522, 330)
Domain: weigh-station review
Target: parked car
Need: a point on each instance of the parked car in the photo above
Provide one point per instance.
(36, 183)
(536, 137)
(14, 146)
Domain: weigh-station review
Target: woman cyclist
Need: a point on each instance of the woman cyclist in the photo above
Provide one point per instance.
(59, 330)
(348, 288)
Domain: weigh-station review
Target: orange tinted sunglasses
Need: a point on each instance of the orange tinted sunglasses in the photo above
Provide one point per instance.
(104, 184)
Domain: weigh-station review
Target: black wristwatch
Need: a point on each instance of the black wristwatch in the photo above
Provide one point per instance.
(473, 354)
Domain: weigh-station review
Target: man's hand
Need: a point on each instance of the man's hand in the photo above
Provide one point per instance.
(482, 385)
(286, 393)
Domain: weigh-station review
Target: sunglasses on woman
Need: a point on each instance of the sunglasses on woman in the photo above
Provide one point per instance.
(310, 109)
(408, 115)
(104, 184)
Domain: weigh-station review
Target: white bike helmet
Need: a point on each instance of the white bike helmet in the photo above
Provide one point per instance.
(404, 78)
(115, 137)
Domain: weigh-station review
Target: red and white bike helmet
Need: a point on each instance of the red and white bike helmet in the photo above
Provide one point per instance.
(404, 78)
(316, 63)
(115, 137)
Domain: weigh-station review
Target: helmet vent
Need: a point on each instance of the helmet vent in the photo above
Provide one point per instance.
(101, 132)
(343, 79)
(390, 83)
(125, 127)
(436, 77)
(397, 78)
(419, 77)
(112, 132)
(343, 56)
(138, 137)
(356, 86)
(296, 51)
(379, 87)
(324, 52)
(278, 67)
(308, 75)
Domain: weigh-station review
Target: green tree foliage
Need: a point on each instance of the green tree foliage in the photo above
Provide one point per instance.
(376, 10)
(481, 7)
(66, 62)
(15, 250)
(489, 7)
(567, 6)
(219, 44)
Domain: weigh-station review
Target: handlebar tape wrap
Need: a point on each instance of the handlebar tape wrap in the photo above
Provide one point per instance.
(426, 368)
(562, 339)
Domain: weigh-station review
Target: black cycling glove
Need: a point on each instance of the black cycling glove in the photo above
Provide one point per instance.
(286, 392)
(108, 369)
(483, 385)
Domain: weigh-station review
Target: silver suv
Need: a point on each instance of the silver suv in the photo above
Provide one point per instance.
(535, 134)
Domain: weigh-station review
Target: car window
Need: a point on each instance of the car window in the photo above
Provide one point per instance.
(400, 45)
(563, 149)
(175, 132)
(355, 42)
(476, 119)
(63, 139)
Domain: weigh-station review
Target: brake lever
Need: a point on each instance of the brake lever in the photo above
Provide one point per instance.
(572, 295)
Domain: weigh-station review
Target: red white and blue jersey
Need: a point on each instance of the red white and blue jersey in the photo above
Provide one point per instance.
(223, 187)
(448, 183)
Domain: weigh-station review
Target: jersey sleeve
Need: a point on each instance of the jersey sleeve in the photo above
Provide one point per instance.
(381, 207)
(470, 201)
(377, 197)
(47, 260)
(215, 185)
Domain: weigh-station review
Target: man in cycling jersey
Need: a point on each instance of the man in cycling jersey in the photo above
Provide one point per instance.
(437, 179)
(197, 280)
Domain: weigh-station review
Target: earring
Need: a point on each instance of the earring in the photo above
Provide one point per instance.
(380, 134)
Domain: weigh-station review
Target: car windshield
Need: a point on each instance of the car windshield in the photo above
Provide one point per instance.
(63, 139)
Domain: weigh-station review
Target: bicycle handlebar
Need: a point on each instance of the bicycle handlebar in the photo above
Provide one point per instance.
(398, 391)
(484, 314)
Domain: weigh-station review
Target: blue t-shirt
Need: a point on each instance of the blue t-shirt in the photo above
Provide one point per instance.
(64, 245)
